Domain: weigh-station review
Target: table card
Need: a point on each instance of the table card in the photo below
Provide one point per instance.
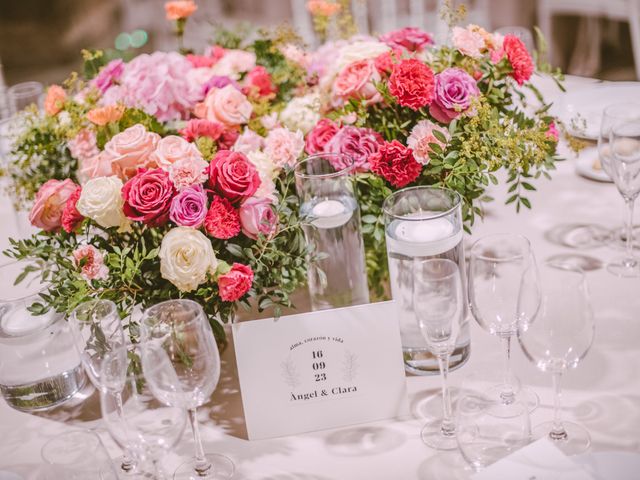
(320, 370)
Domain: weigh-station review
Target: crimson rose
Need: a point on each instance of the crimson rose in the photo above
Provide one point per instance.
(233, 176)
(147, 197)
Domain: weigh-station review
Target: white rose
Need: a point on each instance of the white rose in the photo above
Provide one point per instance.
(186, 258)
(101, 201)
(302, 113)
(359, 51)
(267, 171)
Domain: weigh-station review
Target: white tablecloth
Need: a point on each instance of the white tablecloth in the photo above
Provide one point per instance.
(603, 393)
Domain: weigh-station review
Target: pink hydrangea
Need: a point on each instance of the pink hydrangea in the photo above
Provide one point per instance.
(420, 138)
(109, 74)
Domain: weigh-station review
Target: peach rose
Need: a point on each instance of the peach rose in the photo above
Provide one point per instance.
(179, 9)
(95, 166)
(54, 101)
(468, 41)
(323, 8)
(171, 149)
(225, 105)
(130, 150)
(49, 204)
(356, 81)
(103, 115)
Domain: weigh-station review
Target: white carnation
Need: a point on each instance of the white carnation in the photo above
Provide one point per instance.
(101, 201)
(302, 113)
(267, 170)
(186, 258)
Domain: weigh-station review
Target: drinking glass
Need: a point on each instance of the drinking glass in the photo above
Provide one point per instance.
(180, 360)
(625, 172)
(497, 266)
(557, 341)
(77, 455)
(421, 223)
(138, 422)
(439, 305)
(22, 95)
(329, 206)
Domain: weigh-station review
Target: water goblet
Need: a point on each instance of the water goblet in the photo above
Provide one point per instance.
(137, 421)
(496, 269)
(557, 341)
(624, 167)
(438, 301)
(180, 360)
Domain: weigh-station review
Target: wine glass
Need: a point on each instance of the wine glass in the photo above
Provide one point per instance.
(439, 305)
(558, 340)
(496, 269)
(625, 171)
(181, 362)
(136, 419)
(96, 330)
(482, 437)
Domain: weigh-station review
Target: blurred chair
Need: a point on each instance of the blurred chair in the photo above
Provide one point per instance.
(620, 10)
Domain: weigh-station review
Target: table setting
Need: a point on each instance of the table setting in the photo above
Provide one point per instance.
(385, 257)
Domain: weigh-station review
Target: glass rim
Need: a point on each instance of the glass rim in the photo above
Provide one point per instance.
(387, 212)
(627, 123)
(25, 88)
(445, 261)
(346, 170)
(148, 312)
(608, 110)
(98, 443)
(495, 236)
(94, 301)
(44, 285)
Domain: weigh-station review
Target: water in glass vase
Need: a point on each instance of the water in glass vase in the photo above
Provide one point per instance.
(408, 240)
(333, 228)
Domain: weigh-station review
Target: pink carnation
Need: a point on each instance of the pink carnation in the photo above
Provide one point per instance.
(519, 57)
(259, 83)
(197, 128)
(552, 132)
(420, 138)
(410, 38)
(91, 263)
(283, 146)
(83, 145)
(235, 283)
(188, 171)
(222, 220)
(248, 141)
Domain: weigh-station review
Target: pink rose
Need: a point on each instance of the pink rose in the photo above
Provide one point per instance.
(189, 207)
(83, 145)
(225, 105)
(188, 171)
(258, 217)
(130, 150)
(356, 81)
(233, 176)
(147, 197)
(92, 261)
(410, 38)
(420, 138)
(248, 141)
(358, 144)
(317, 138)
(49, 204)
(283, 146)
(468, 42)
(97, 166)
(234, 284)
(453, 93)
(171, 149)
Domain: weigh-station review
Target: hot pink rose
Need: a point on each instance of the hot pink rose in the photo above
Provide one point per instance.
(97, 166)
(232, 175)
(284, 146)
(356, 143)
(172, 148)
(317, 138)
(258, 82)
(410, 38)
(234, 284)
(257, 216)
(147, 197)
(92, 261)
(49, 204)
(356, 81)
(131, 149)
(83, 145)
(225, 105)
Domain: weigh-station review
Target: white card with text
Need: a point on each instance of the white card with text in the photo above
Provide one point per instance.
(320, 370)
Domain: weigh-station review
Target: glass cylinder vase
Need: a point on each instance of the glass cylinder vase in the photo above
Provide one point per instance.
(422, 223)
(331, 216)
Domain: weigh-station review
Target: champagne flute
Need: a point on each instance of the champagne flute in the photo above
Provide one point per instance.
(181, 362)
(439, 305)
(625, 170)
(496, 269)
(557, 341)
(135, 418)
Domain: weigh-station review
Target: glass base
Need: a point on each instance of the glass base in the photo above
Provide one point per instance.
(420, 361)
(222, 468)
(434, 436)
(625, 267)
(503, 406)
(574, 440)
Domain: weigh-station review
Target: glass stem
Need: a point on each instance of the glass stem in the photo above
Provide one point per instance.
(448, 428)
(158, 470)
(128, 463)
(557, 432)
(629, 241)
(202, 465)
(507, 395)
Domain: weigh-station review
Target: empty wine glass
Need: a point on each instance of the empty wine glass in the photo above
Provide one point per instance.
(135, 418)
(25, 94)
(624, 166)
(482, 437)
(181, 362)
(496, 269)
(439, 305)
(558, 340)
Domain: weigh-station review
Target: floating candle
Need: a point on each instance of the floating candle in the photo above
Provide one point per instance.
(330, 214)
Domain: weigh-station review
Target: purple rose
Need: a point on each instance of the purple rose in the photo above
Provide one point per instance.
(356, 143)
(454, 90)
(218, 81)
(189, 207)
(109, 74)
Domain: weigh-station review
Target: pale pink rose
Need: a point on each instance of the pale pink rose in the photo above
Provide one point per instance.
(356, 81)
(188, 171)
(248, 141)
(83, 145)
(225, 105)
(93, 267)
(234, 62)
(420, 138)
(283, 147)
(468, 42)
(97, 166)
(172, 148)
(131, 149)
(49, 204)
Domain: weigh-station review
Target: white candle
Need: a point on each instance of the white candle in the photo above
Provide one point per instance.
(330, 214)
(416, 238)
